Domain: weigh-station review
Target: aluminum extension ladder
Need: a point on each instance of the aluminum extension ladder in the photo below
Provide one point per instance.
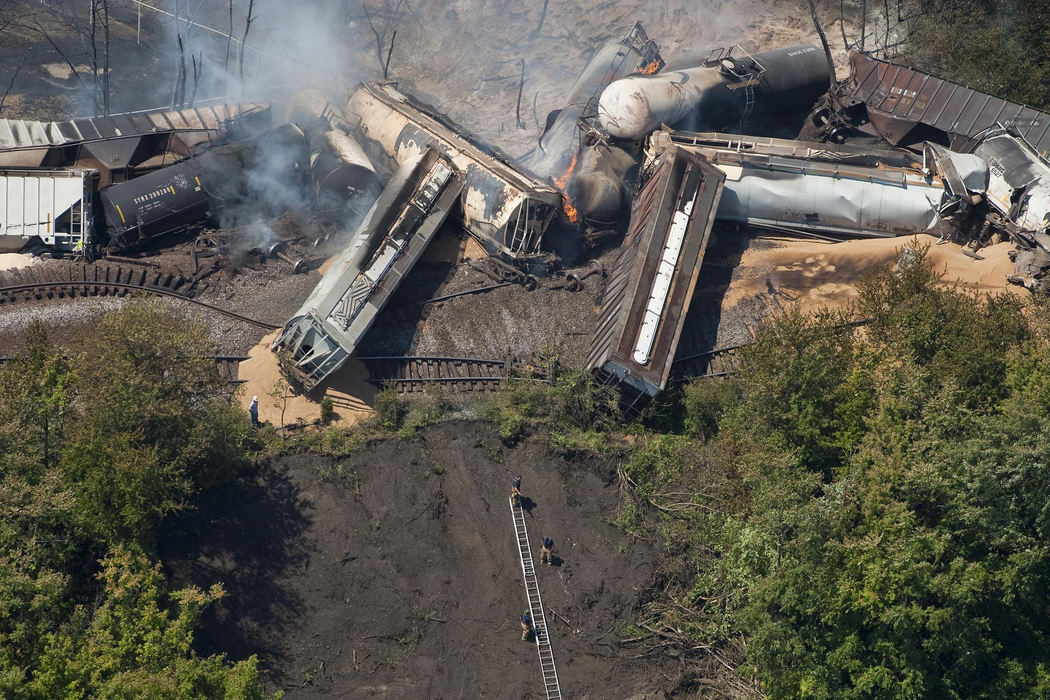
(532, 591)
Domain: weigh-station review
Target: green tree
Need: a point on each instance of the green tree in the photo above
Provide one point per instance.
(155, 424)
(131, 646)
(91, 461)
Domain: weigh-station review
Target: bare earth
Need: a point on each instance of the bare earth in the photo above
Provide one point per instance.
(394, 574)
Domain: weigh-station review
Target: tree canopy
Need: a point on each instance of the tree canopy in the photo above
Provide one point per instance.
(97, 447)
(868, 515)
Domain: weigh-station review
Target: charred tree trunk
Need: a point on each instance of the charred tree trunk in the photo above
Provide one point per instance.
(842, 24)
(226, 61)
(521, 86)
(823, 42)
(543, 15)
(198, 70)
(92, 36)
(180, 67)
(863, 23)
(244, 39)
(389, 51)
(105, 57)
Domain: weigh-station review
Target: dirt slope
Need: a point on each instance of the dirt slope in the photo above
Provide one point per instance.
(398, 577)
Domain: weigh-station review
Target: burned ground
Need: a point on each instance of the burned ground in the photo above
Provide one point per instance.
(394, 572)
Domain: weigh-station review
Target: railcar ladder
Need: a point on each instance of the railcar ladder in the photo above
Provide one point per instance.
(532, 592)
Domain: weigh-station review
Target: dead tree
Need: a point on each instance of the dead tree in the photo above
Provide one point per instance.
(92, 25)
(226, 61)
(823, 41)
(521, 86)
(389, 51)
(198, 70)
(14, 76)
(543, 15)
(244, 39)
(384, 65)
(105, 57)
(178, 88)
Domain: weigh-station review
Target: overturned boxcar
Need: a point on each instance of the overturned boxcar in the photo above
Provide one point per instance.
(505, 209)
(335, 317)
(905, 107)
(651, 284)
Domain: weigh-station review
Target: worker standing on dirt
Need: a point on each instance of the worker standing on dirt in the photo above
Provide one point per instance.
(545, 551)
(515, 490)
(526, 626)
(253, 411)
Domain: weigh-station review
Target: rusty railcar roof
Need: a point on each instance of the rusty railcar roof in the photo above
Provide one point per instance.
(17, 134)
(903, 104)
(633, 283)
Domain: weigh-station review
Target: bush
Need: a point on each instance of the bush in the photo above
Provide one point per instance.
(327, 410)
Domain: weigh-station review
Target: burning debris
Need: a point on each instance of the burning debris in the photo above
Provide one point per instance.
(629, 154)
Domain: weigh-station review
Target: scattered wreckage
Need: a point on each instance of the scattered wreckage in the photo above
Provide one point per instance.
(655, 155)
(506, 209)
(610, 146)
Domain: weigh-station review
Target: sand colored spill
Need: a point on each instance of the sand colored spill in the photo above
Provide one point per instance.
(13, 261)
(817, 275)
(350, 392)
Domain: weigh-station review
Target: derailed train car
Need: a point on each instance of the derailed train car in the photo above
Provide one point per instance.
(343, 179)
(650, 287)
(506, 210)
(727, 91)
(256, 172)
(252, 178)
(331, 322)
(798, 187)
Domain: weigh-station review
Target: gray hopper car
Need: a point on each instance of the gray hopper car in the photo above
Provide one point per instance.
(505, 209)
(361, 279)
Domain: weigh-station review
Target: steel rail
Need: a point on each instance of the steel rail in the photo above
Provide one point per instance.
(148, 289)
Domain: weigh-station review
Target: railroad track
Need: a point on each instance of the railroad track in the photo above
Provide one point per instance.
(458, 374)
(58, 281)
(228, 366)
(48, 282)
(711, 364)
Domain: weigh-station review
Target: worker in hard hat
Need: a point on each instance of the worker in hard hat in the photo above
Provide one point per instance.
(526, 625)
(515, 490)
(253, 411)
(545, 551)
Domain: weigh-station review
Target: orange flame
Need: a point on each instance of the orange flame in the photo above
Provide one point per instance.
(651, 68)
(560, 182)
(570, 211)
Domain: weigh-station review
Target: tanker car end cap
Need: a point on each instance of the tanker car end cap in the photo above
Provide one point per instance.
(624, 111)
